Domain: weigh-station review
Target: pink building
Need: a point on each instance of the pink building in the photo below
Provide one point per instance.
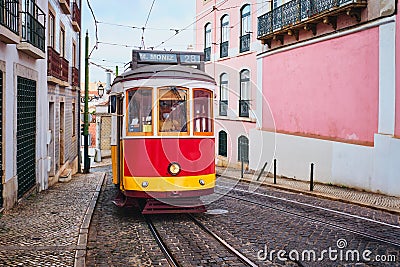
(329, 76)
(226, 31)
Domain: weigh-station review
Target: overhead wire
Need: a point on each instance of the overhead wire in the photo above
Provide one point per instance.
(147, 20)
(179, 31)
(95, 24)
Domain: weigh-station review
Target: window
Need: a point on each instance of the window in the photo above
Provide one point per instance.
(207, 42)
(51, 29)
(276, 3)
(224, 46)
(223, 92)
(244, 93)
(223, 144)
(62, 42)
(172, 106)
(140, 111)
(73, 55)
(73, 120)
(243, 149)
(245, 28)
(202, 111)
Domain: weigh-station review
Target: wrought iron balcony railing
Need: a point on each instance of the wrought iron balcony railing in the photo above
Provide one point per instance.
(53, 63)
(224, 48)
(75, 76)
(297, 12)
(33, 25)
(207, 54)
(64, 69)
(223, 107)
(244, 107)
(244, 43)
(9, 15)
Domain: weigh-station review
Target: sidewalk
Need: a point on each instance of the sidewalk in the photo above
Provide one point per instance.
(50, 228)
(348, 195)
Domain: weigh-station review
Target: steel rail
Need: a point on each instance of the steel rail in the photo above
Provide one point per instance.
(167, 253)
(314, 220)
(313, 206)
(241, 257)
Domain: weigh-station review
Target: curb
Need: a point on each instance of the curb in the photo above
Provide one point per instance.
(317, 194)
(80, 254)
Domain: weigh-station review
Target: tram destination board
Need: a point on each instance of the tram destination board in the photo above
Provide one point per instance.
(146, 57)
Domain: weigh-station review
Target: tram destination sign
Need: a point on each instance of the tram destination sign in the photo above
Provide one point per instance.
(157, 57)
(187, 58)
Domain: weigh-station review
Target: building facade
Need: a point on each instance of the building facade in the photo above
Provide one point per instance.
(329, 73)
(225, 31)
(23, 92)
(63, 35)
(37, 94)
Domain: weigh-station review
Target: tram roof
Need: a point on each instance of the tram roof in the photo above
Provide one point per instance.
(164, 72)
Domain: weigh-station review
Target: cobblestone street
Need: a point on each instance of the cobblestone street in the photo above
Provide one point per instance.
(44, 230)
(120, 237)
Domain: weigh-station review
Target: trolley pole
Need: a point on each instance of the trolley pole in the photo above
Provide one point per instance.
(86, 162)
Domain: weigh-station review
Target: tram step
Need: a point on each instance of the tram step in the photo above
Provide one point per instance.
(187, 205)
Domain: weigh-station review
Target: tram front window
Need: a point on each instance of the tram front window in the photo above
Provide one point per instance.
(202, 111)
(172, 110)
(139, 111)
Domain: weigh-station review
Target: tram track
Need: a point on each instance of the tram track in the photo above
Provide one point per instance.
(167, 253)
(336, 225)
(172, 259)
(239, 255)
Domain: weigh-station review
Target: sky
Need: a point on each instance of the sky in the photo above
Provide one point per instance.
(132, 15)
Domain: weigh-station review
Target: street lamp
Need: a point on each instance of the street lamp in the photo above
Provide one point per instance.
(100, 90)
(100, 93)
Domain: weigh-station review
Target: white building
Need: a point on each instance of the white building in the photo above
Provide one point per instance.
(27, 93)
(23, 89)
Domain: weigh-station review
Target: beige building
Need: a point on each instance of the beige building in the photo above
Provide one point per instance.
(63, 69)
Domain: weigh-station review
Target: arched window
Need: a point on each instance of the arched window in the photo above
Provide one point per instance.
(245, 28)
(223, 93)
(207, 42)
(222, 144)
(224, 45)
(243, 149)
(244, 103)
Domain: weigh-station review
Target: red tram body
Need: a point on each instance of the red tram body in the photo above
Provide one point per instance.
(162, 143)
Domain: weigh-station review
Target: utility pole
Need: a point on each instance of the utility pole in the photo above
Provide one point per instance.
(86, 162)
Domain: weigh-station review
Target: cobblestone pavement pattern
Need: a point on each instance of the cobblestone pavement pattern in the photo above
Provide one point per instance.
(43, 229)
(120, 236)
(348, 195)
(253, 229)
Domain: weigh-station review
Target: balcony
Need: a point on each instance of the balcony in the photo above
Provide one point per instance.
(65, 7)
(76, 17)
(244, 107)
(9, 27)
(75, 76)
(33, 34)
(224, 48)
(207, 54)
(304, 14)
(244, 43)
(223, 107)
(53, 63)
(64, 69)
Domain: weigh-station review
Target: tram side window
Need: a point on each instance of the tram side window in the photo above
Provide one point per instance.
(172, 110)
(139, 110)
(202, 111)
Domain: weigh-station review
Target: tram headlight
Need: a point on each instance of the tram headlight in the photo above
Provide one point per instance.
(174, 168)
(145, 184)
(201, 182)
